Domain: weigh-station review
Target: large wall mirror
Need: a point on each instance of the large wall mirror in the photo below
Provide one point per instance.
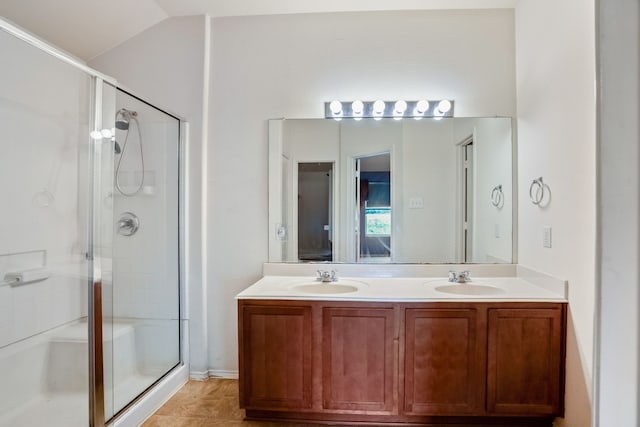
(391, 191)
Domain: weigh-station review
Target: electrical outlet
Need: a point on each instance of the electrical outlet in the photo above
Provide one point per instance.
(546, 236)
(416, 203)
(496, 231)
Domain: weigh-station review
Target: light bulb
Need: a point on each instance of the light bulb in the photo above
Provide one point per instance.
(444, 106)
(379, 107)
(400, 107)
(422, 106)
(357, 107)
(336, 108)
(95, 134)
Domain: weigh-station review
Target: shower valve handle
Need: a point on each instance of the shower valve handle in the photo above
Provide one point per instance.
(128, 224)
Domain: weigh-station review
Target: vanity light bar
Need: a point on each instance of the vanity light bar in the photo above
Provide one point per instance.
(388, 109)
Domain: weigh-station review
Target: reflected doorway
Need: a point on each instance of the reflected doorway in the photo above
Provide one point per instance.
(373, 207)
(467, 198)
(315, 211)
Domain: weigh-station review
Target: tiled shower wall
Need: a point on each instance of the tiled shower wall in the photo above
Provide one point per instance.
(145, 265)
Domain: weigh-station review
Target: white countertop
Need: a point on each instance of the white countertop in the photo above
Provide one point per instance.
(405, 289)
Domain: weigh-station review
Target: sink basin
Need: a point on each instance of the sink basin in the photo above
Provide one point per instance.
(469, 289)
(329, 288)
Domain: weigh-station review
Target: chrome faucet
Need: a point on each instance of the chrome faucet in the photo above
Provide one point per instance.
(326, 276)
(462, 277)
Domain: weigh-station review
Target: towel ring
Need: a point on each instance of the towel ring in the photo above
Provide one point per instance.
(538, 195)
(497, 196)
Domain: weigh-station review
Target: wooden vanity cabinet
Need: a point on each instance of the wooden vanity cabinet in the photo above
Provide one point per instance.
(359, 359)
(525, 366)
(275, 356)
(459, 364)
(444, 361)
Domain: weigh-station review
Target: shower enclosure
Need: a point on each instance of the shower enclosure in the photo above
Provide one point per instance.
(89, 241)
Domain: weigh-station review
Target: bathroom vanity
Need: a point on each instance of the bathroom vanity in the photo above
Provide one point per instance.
(402, 350)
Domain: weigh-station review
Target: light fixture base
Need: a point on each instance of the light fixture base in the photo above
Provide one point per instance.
(413, 110)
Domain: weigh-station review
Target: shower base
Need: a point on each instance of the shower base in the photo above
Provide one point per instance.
(47, 379)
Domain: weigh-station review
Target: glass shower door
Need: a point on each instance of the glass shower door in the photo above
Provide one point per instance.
(47, 110)
(142, 318)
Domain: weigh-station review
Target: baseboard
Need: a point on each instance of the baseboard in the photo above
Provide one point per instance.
(199, 375)
(212, 373)
(223, 374)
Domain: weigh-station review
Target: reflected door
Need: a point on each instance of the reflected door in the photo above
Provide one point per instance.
(467, 200)
(315, 211)
(373, 208)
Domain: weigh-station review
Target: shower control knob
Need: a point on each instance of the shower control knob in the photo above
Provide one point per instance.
(128, 224)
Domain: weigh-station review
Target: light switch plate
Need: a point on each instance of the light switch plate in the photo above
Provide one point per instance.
(546, 236)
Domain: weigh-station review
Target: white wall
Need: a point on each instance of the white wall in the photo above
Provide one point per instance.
(44, 117)
(617, 369)
(287, 66)
(165, 65)
(555, 63)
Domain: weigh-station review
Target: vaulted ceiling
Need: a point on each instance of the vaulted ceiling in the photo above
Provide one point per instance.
(87, 28)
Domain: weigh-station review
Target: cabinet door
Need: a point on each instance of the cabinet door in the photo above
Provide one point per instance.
(525, 357)
(444, 365)
(359, 359)
(275, 357)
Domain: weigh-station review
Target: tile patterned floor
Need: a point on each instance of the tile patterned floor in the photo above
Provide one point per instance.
(207, 403)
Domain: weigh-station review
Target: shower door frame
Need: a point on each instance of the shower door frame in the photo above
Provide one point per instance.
(94, 318)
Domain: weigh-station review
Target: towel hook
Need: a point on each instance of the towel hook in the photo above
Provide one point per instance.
(538, 195)
(497, 196)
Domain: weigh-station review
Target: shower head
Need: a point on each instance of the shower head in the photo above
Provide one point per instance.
(123, 117)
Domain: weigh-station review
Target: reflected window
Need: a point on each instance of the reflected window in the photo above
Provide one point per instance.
(378, 222)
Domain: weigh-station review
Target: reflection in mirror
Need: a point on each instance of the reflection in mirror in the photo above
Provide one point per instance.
(315, 189)
(467, 197)
(400, 191)
(373, 208)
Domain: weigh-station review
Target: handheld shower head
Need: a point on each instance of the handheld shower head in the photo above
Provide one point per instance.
(123, 117)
